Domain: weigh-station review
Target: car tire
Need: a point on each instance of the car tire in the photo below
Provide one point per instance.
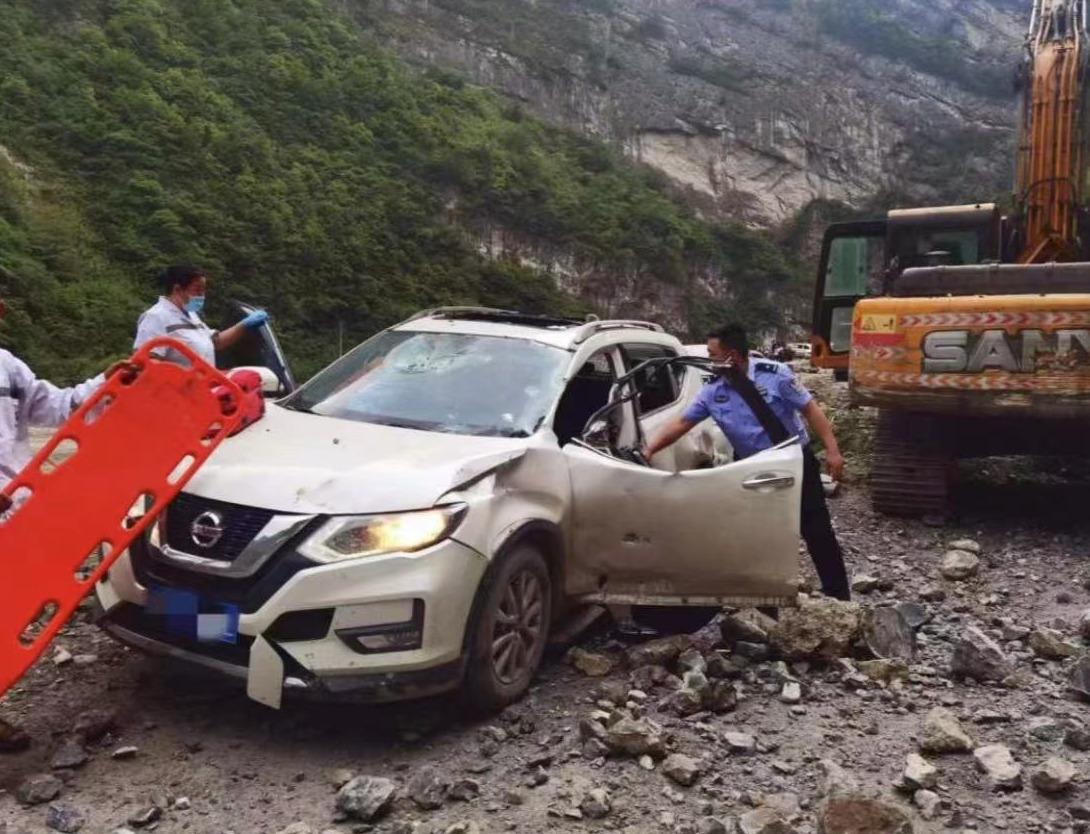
(674, 619)
(510, 630)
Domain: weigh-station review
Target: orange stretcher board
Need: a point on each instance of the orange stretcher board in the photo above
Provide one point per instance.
(136, 443)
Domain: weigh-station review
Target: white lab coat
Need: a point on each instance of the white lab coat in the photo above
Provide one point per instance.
(165, 318)
(27, 401)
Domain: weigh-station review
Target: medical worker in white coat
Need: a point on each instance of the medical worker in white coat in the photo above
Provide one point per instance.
(27, 401)
(177, 315)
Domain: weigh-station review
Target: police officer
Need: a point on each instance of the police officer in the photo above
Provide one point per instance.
(177, 315)
(27, 401)
(790, 402)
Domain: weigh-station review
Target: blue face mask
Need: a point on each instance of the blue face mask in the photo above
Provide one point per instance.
(195, 304)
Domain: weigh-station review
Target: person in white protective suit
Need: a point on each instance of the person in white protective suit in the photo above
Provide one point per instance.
(27, 401)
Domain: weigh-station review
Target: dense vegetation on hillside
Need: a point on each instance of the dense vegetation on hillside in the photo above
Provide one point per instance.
(307, 170)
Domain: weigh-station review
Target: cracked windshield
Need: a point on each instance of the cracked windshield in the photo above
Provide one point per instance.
(447, 382)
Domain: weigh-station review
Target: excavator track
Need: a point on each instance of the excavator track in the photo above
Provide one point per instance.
(912, 466)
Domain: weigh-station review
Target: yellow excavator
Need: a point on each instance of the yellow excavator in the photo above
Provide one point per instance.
(968, 329)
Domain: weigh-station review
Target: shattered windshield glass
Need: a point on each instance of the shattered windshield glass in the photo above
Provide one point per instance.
(447, 382)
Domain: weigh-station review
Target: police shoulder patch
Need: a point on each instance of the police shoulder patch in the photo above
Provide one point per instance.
(768, 367)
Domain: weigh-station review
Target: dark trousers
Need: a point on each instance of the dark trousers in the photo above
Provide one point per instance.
(817, 530)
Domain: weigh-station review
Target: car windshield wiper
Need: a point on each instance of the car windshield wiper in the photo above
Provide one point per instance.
(303, 409)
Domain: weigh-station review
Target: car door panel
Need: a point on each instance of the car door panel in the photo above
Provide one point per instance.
(642, 535)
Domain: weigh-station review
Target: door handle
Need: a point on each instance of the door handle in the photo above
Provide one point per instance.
(769, 481)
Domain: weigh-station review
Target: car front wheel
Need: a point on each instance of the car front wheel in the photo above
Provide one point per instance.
(510, 632)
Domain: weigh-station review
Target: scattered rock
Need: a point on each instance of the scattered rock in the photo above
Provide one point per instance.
(1084, 625)
(70, 754)
(691, 660)
(297, 828)
(763, 821)
(711, 825)
(959, 564)
(919, 774)
(465, 790)
(977, 656)
(463, 828)
(883, 671)
(92, 725)
(122, 753)
(39, 788)
(932, 593)
(865, 583)
(997, 763)
(632, 737)
(1079, 681)
(366, 798)
(596, 804)
(791, 692)
(821, 628)
(1044, 728)
(662, 652)
(888, 634)
(341, 777)
(681, 769)
(1055, 776)
(146, 816)
(64, 818)
(967, 545)
(838, 781)
(861, 815)
(1050, 644)
(750, 626)
(427, 789)
(590, 664)
(943, 733)
(914, 614)
(740, 743)
(1077, 738)
(61, 657)
(928, 802)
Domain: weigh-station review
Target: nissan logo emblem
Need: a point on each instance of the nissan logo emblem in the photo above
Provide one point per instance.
(207, 530)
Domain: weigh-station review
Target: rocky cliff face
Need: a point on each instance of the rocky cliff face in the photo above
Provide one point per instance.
(753, 108)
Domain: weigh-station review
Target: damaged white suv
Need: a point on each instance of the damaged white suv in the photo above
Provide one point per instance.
(417, 516)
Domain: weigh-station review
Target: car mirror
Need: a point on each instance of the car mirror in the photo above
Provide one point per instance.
(270, 382)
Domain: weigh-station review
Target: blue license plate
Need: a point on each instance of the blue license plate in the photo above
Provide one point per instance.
(188, 615)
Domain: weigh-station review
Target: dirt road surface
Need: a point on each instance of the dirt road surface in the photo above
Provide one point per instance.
(183, 754)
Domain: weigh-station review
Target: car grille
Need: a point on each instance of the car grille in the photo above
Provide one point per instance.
(241, 526)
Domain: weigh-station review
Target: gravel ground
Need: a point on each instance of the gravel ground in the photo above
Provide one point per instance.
(208, 760)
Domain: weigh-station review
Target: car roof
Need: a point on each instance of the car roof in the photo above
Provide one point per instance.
(563, 333)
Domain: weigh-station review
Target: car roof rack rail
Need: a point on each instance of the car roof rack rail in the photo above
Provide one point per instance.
(593, 328)
(496, 315)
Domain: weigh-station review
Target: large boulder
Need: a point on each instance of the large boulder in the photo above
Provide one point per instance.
(824, 629)
(428, 789)
(979, 657)
(862, 815)
(942, 733)
(366, 798)
(681, 769)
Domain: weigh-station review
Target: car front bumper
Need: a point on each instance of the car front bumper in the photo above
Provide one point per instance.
(375, 629)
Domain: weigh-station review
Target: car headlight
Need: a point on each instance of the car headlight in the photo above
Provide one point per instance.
(355, 537)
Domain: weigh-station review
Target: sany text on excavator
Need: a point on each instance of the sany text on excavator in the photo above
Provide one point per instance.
(970, 330)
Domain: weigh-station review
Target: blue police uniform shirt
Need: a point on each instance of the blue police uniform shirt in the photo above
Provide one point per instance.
(781, 390)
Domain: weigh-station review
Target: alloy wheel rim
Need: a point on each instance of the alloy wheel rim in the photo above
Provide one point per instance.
(517, 627)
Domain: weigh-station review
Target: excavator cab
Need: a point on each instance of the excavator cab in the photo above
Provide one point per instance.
(865, 259)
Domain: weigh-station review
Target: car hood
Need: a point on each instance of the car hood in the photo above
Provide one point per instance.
(292, 462)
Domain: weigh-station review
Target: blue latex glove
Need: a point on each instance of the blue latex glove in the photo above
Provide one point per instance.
(256, 319)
